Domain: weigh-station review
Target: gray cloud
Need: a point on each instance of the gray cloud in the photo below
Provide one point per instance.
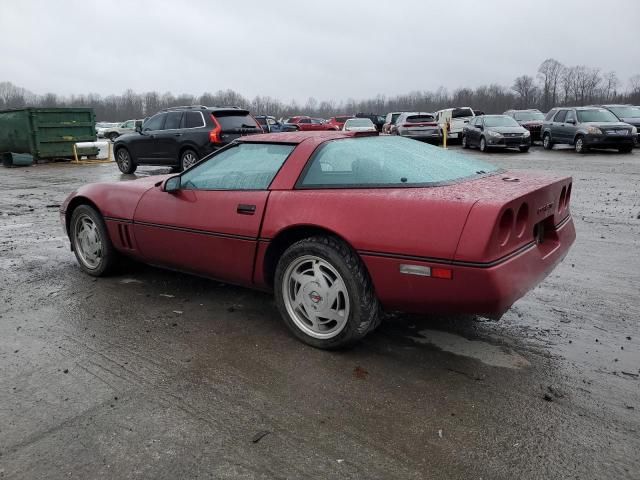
(297, 49)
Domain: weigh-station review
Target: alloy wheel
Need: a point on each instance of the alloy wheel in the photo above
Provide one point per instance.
(88, 242)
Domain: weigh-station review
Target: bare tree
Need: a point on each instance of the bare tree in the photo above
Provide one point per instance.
(525, 87)
(550, 72)
(610, 86)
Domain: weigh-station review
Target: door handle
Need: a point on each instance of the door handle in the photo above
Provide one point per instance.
(244, 209)
(177, 134)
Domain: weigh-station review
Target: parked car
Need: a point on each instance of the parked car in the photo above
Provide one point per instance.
(420, 229)
(269, 124)
(102, 127)
(181, 136)
(454, 120)
(390, 122)
(419, 126)
(125, 127)
(530, 119)
(587, 127)
(377, 120)
(338, 121)
(626, 113)
(306, 124)
(495, 131)
(359, 125)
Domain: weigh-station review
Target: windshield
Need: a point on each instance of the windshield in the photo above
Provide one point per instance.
(461, 112)
(596, 116)
(528, 116)
(626, 112)
(499, 121)
(388, 161)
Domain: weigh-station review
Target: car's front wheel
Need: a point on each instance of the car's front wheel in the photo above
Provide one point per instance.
(90, 241)
(465, 143)
(124, 161)
(483, 144)
(547, 144)
(324, 293)
(580, 145)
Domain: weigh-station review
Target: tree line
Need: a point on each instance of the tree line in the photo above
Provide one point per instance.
(554, 84)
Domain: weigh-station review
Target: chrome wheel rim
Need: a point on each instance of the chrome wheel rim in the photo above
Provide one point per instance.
(579, 145)
(88, 242)
(546, 141)
(316, 297)
(123, 159)
(188, 159)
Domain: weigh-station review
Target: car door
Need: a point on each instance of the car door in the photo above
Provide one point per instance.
(570, 126)
(143, 146)
(558, 133)
(167, 140)
(475, 129)
(305, 124)
(211, 224)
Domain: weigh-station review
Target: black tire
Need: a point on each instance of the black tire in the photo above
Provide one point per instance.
(125, 162)
(188, 158)
(524, 149)
(483, 145)
(465, 143)
(364, 314)
(108, 255)
(113, 136)
(547, 144)
(627, 149)
(579, 145)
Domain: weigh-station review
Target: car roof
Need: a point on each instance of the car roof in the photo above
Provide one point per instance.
(297, 137)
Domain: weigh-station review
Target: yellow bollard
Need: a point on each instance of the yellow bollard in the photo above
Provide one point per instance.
(444, 137)
(75, 153)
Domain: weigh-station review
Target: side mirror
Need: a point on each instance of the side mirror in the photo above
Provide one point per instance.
(172, 184)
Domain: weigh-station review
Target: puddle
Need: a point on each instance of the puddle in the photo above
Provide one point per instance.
(482, 351)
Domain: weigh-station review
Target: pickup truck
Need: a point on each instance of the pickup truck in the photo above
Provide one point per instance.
(454, 120)
(125, 127)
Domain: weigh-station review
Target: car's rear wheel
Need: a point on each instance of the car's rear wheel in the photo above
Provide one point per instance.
(579, 145)
(464, 142)
(188, 158)
(524, 149)
(90, 241)
(547, 144)
(483, 144)
(627, 149)
(324, 293)
(113, 136)
(124, 161)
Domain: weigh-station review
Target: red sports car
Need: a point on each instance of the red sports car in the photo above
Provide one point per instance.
(308, 124)
(340, 225)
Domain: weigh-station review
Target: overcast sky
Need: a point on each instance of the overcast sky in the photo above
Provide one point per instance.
(296, 49)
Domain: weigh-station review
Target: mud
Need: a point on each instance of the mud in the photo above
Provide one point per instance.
(154, 374)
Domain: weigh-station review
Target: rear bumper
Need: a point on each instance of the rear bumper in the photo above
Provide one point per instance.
(485, 289)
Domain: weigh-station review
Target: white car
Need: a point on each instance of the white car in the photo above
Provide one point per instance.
(454, 120)
(359, 125)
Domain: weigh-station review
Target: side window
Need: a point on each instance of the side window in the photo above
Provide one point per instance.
(244, 166)
(271, 121)
(315, 121)
(560, 116)
(128, 124)
(305, 120)
(193, 120)
(155, 123)
(173, 120)
(571, 115)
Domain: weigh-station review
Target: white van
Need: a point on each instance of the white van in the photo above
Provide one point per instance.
(455, 119)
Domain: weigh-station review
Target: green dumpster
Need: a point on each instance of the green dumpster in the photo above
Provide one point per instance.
(47, 132)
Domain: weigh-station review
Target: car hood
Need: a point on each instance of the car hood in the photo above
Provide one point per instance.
(517, 129)
(605, 124)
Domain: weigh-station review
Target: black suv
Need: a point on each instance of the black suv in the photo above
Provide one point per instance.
(181, 136)
(587, 127)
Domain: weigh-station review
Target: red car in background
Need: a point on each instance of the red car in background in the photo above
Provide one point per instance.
(340, 225)
(338, 121)
(308, 124)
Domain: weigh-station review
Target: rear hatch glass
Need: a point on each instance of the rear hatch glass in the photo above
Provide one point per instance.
(461, 112)
(420, 118)
(233, 121)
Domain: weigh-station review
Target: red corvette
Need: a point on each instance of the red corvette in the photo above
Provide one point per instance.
(339, 225)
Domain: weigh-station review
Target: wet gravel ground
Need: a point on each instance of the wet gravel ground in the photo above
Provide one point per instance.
(155, 374)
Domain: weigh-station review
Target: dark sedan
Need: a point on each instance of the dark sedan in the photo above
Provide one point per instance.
(495, 131)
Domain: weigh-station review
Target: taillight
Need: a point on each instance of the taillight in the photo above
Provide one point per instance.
(505, 227)
(214, 135)
(522, 219)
